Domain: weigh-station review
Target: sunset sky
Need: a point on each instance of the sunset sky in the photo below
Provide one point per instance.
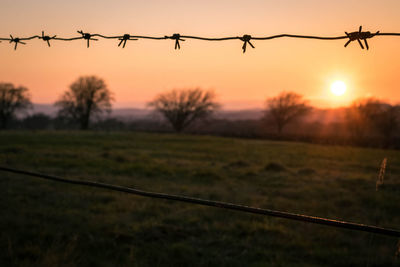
(146, 67)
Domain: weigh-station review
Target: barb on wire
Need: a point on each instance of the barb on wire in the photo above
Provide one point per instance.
(125, 38)
(87, 36)
(47, 38)
(246, 39)
(360, 35)
(177, 38)
(16, 41)
(218, 204)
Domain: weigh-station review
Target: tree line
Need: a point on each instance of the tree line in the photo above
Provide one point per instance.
(88, 98)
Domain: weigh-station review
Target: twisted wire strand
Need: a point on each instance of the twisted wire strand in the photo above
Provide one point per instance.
(218, 204)
(352, 36)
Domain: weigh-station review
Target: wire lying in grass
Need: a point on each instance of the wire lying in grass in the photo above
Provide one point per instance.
(218, 204)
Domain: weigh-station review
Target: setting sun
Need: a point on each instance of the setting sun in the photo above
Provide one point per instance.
(338, 88)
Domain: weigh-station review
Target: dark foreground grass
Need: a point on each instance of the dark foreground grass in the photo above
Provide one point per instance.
(45, 223)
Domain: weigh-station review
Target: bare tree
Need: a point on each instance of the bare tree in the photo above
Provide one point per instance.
(387, 122)
(182, 107)
(12, 100)
(88, 96)
(286, 108)
(369, 115)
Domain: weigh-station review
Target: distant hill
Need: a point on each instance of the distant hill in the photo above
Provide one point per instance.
(127, 114)
(245, 114)
(47, 109)
(137, 113)
(326, 115)
(134, 113)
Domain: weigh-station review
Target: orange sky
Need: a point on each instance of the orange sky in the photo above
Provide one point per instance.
(144, 68)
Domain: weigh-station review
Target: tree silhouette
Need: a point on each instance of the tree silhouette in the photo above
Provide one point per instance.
(357, 123)
(286, 108)
(368, 115)
(182, 107)
(37, 121)
(88, 96)
(12, 100)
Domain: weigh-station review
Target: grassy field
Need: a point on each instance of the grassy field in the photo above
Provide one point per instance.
(44, 223)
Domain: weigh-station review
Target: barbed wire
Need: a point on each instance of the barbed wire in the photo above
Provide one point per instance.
(218, 204)
(352, 36)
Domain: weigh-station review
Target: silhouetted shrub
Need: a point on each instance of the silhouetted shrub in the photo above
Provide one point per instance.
(38, 121)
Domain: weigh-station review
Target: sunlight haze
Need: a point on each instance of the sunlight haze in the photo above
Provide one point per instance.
(147, 67)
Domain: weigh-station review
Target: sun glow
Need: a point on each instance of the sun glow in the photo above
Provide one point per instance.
(338, 88)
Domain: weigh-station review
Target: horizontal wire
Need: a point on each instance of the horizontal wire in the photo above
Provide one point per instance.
(246, 39)
(300, 36)
(389, 33)
(352, 36)
(147, 37)
(218, 204)
(199, 37)
(211, 38)
(67, 39)
(204, 38)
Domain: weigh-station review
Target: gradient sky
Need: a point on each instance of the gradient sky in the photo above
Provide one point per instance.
(145, 67)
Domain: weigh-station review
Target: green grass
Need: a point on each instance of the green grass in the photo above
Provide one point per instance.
(44, 223)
